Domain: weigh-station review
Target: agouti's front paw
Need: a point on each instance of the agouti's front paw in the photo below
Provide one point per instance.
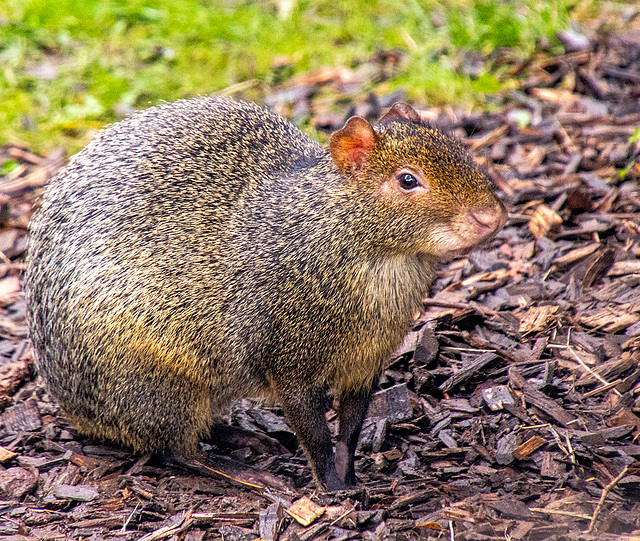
(333, 482)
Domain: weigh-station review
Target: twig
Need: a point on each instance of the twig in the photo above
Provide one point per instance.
(453, 535)
(313, 531)
(183, 524)
(601, 389)
(572, 453)
(469, 350)
(459, 306)
(126, 522)
(228, 476)
(558, 512)
(558, 439)
(603, 497)
(594, 374)
(346, 513)
(224, 516)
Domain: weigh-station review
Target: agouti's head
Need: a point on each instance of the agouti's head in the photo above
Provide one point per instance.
(425, 184)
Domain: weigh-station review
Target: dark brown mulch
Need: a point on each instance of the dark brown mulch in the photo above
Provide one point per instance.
(512, 408)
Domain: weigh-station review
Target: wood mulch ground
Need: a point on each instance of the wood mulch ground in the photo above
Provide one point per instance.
(512, 409)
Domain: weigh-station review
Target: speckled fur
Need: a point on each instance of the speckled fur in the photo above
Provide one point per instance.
(206, 249)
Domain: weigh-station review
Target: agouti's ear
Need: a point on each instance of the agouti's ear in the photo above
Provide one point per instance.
(403, 110)
(351, 145)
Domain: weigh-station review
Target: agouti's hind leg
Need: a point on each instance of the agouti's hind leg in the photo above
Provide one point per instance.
(305, 408)
(352, 411)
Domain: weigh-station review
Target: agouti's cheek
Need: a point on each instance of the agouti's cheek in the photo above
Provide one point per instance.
(386, 191)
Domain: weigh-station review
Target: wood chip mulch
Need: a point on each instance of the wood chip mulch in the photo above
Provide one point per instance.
(512, 409)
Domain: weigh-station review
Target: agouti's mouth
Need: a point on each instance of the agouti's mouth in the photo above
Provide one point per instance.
(461, 252)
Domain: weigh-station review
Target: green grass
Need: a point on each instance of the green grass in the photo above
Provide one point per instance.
(106, 57)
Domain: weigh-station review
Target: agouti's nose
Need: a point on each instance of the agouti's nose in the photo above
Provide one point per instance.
(488, 222)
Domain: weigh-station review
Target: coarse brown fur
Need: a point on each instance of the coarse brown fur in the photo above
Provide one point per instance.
(206, 249)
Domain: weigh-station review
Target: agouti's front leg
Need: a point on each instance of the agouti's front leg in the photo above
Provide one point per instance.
(352, 411)
(305, 407)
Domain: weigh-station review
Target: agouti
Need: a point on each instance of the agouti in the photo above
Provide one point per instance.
(206, 250)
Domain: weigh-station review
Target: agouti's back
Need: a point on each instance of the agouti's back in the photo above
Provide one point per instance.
(207, 249)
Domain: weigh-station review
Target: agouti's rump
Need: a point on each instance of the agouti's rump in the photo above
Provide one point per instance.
(206, 250)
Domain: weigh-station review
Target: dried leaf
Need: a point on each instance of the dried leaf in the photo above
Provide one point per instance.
(5, 454)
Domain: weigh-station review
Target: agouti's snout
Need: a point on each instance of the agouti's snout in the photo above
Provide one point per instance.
(488, 223)
(206, 250)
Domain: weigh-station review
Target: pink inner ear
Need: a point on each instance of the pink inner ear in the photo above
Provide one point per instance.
(358, 157)
(363, 143)
(352, 144)
(367, 138)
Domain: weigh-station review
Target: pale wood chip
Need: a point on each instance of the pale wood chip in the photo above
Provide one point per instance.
(621, 268)
(555, 95)
(532, 444)
(576, 255)
(9, 289)
(18, 180)
(609, 369)
(305, 511)
(537, 318)
(544, 221)
(611, 320)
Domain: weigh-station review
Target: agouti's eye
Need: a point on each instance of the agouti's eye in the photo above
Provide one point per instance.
(407, 181)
